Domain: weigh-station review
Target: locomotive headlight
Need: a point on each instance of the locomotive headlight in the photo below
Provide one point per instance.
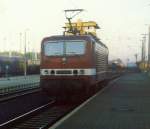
(82, 71)
(46, 72)
(52, 72)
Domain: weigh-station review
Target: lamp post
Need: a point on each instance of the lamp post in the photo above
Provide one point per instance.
(144, 47)
(148, 60)
(5, 44)
(136, 55)
(142, 56)
(25, 51)
(149, 47)
(20, 37)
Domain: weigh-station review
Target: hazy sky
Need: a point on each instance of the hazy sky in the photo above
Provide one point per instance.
(122, 22)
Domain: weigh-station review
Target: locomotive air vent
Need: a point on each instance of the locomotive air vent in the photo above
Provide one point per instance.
(75, 72)
(63, 72)
(82, 71)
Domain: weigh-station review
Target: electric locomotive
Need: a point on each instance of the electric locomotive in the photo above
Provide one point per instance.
(74, 62)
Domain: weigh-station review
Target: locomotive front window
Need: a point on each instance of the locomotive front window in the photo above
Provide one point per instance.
(53, 48)
(61, 48)
(75, 48)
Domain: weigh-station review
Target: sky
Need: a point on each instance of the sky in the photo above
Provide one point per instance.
(121, 21)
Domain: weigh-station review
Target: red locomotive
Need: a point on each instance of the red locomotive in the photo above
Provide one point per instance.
(73, 62)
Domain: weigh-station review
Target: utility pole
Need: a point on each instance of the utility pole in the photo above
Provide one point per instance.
(144, 50)
(25, 52)
(25, 58)
(20, 36)
(136, 58)
(149, 47)
(144, 47)
(143, 55)
(5, 44)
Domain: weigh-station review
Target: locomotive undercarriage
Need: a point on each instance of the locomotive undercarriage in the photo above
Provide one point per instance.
(59, 87)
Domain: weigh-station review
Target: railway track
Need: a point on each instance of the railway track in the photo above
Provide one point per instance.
(39, 118)
(18, 94)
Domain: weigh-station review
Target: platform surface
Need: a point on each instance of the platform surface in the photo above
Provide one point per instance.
(124, 104)
(18, 80)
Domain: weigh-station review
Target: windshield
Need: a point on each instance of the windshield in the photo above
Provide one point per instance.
(53, 48)
(60, 48)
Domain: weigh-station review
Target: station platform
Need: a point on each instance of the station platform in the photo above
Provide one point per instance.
(12, 84)
(123, 104)
(11, 81)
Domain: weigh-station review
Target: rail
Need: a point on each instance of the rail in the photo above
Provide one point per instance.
(18, 88)
(39, 118)
(30, 113)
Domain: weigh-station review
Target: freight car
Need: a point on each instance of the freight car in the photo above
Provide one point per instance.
(74, 62)
(14, 66)
(11, 65)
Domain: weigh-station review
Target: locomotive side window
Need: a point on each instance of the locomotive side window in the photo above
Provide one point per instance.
(75, 48)
(53, 49)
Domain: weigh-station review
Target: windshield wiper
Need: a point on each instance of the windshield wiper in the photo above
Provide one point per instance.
(72, 53)
(57, 53)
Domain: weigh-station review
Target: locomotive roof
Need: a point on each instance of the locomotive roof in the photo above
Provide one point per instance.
(75, 37)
